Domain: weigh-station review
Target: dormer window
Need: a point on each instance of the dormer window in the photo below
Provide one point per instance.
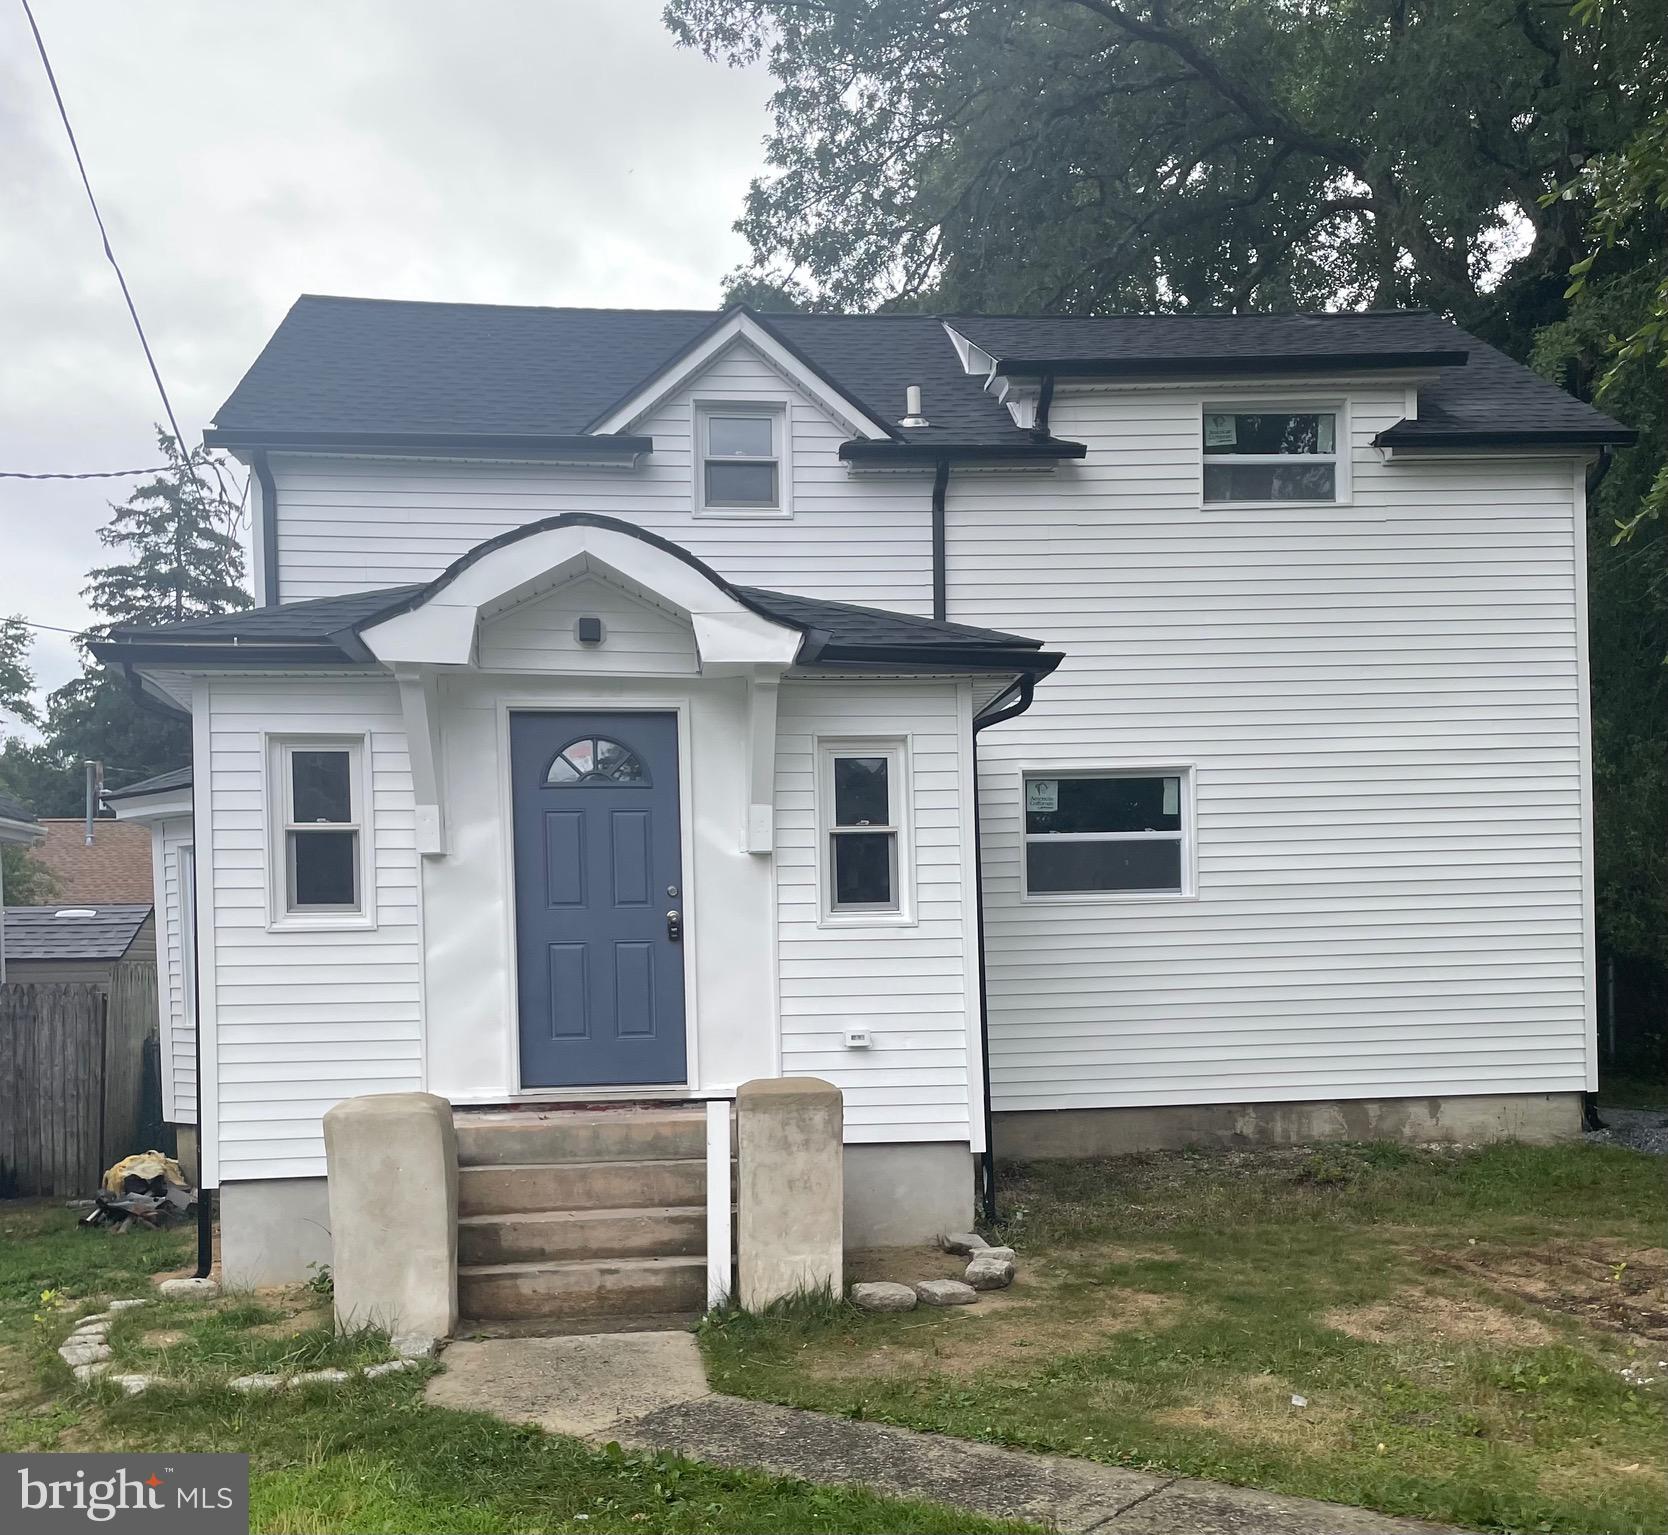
(741, 460)
(1274, 456)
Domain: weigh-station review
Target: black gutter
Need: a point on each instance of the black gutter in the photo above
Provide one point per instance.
(1027, 687)
(940, 572)
(1409, 435)
(961, 658)
(269, 527)
(1028, 450)
(1238, 364)
(250, 654)
(530, 445)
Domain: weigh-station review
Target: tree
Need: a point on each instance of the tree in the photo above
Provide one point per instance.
(17, 678)
(179, 531)
(1103, 155)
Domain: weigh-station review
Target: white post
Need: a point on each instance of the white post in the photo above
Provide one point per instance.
(720, 1277)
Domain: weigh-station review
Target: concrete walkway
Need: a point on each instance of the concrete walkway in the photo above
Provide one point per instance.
(648, 1391)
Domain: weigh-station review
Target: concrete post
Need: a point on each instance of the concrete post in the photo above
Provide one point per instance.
(393, 1164)
(790, 1188)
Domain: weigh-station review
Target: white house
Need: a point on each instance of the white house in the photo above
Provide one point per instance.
(640, 701)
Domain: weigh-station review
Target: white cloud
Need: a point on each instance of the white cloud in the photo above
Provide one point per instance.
(504, 151)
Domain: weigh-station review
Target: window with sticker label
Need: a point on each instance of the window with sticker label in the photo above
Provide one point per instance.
(1088, 834)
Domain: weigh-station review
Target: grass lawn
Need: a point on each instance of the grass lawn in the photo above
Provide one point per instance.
(366, 1457)
(1457, 1322)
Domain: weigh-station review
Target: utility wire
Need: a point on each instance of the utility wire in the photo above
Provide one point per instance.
(110, 256)
(88, 474)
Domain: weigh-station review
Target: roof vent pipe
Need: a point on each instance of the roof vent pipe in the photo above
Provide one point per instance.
(912, 407)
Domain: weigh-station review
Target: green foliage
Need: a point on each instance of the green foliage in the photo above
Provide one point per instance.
(25, 880)
(17, 679)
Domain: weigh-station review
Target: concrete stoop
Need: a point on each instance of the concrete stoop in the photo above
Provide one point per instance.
(569, 1214)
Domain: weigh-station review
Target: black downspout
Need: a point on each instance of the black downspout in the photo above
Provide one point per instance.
(1027, 686)
(1595, 477)
(1600, 468)
(269, 531)
(940, 571)
(205, 1197)
(1045, 399)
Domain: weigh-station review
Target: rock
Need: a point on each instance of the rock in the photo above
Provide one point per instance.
(987, 1273)
(87, 1373)
(133, 1385)
(126, 1305)
(84, 1351)
(93, 1327)
(882, 1295)
(945, 1292)
(319, 1378)
(964, 1243)
(392, 1367)
(255, 1383)
(997, 1252)
(189, 1289)
(79, 1204)
(415, 1345)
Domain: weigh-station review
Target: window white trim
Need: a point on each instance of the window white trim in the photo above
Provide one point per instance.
(779, 413)
(900, 825)
(281, 916)
(1187, 835)
(1342, 481)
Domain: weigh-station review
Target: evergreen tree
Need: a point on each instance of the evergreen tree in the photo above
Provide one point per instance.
(179, 531)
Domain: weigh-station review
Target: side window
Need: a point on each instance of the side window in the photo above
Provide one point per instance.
(319, 822)
(1274, 457)
(1091, 834)
(860, 797)
(741, 459)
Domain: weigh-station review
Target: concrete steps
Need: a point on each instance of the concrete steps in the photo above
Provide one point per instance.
(573, 1215)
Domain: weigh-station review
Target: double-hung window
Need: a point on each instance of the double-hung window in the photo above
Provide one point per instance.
(1268, 457)
(860, 795)
(1107, 833)
(318, 794)
(740, 469)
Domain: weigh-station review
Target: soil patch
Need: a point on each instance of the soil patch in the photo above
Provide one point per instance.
(1608, 1284)
(1012, 1333)
(1258, 1410)
(161, 1337)
(1416, 1314)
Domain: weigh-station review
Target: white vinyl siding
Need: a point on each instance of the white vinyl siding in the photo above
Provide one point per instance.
(304, 1018)
(350, 524)
(1383, 705)
(171, 850)
(538, 635)
(906, 983)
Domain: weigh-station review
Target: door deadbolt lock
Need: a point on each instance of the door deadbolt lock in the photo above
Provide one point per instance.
(674, 926)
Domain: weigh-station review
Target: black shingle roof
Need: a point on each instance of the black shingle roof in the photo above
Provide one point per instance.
(372, 366)
(324, 631)
(180, 778)
(11, 810)
(39, 932)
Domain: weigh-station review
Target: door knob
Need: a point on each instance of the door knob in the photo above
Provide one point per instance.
(674, 926)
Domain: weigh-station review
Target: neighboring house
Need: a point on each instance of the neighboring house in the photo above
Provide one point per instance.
(632, 690)
(18, 828)
(115, 866)
(78, 943)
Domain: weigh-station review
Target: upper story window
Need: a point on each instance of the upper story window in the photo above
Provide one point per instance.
(1274, 457)
(319, 830)
(742, 460)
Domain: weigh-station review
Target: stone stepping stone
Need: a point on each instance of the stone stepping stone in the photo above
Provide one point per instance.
(945, 1292)
(963, 1243)
(988, 1273)
(883, 1295)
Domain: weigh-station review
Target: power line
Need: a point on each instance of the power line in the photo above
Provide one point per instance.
(29, 623)
(86, 474)
(115, 266)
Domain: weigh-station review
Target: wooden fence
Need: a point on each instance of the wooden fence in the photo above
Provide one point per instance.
(74, 1086)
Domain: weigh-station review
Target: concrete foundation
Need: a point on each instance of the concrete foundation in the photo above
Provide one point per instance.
(903, 1193)
(393, 1160)
(1537, 1117)
(185, 1151)
(790, 1188)
(272, 1230)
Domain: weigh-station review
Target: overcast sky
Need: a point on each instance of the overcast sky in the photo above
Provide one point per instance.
(501, 151)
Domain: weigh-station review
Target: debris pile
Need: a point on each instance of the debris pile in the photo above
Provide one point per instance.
(147, 1189)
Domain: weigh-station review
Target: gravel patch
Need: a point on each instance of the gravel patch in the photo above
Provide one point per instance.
(1642, 1129)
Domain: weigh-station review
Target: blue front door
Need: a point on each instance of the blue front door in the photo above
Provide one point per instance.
(599, 898)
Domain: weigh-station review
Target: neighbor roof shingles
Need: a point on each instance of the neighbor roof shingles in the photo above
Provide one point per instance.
(38, 932)
(378, 366)
(117, 867)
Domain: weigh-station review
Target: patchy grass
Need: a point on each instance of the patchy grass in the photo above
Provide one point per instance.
(365, 1457)
(1455, 1321)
